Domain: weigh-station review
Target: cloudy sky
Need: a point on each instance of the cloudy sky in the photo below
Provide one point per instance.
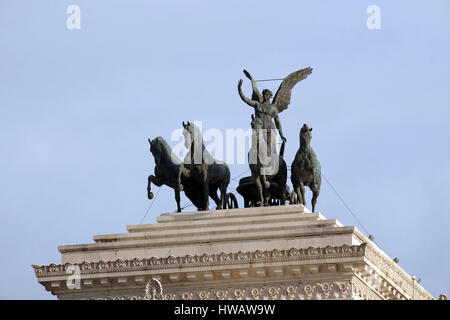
(77, 107)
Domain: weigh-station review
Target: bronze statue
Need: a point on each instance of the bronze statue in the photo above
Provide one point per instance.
(209, 172)
(168, 169)
(276, 193)
(305, 169)
(171, 171)
(263, 159)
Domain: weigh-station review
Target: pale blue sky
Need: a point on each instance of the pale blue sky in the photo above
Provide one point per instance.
(77, 107)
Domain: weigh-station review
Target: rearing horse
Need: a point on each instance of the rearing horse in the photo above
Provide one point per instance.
(168, 169)
(201, 166)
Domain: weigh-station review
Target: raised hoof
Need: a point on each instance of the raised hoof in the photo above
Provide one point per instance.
(150, 195)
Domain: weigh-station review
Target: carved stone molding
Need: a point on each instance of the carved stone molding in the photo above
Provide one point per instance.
(396, 274)
(223, 258)
(360, 291)
(286, 291)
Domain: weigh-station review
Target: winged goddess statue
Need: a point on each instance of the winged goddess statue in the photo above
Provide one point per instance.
(266, 110)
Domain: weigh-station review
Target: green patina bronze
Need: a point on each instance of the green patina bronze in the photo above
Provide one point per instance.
(200, 176)
(270, 174)
(305, 169)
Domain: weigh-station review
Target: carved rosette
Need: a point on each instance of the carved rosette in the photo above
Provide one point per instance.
(256, 293)
(221, 294)
(204, 295)
(239, 294)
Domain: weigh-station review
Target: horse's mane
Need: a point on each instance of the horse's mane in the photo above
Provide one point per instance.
(197, 133)
(167, 151)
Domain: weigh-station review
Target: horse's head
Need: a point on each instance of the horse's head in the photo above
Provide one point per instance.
(305, 135)
(156, 148)
(162, 151)
(193, 141)
(191, 134)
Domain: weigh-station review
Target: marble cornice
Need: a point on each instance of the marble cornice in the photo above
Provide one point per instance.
(171, 262)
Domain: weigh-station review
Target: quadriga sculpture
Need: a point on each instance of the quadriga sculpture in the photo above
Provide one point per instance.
(305, 169)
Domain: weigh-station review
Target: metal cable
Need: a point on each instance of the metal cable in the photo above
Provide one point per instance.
(151, 204)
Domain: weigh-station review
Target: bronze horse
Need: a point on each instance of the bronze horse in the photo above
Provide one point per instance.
(171, 171)
(305, 169)
(203, 168)
(168, 169)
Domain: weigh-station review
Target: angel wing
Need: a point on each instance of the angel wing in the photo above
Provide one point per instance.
(283, 96)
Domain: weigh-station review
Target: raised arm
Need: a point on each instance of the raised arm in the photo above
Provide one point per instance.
(251, 103)
(256, 95)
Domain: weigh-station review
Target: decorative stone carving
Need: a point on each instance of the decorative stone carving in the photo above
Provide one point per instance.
(216, 259)
(154, 290)
(204, 295)
(238, 293)
(273, 292)
(221, 294)
(256, 293)
(326, 288)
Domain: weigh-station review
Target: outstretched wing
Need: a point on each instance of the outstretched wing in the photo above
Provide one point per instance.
(283, 96)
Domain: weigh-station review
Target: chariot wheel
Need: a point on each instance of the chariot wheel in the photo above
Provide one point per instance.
(231, 201)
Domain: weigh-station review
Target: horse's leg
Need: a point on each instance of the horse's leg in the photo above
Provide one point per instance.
(179, 186)
(177, 198)
(156, 181)
(266, 193)
(223, 195)
(205, 181)
(149, 187)
(213, 195)
(314, 198)
(300, 191)
(292, 196)
(283, 196)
